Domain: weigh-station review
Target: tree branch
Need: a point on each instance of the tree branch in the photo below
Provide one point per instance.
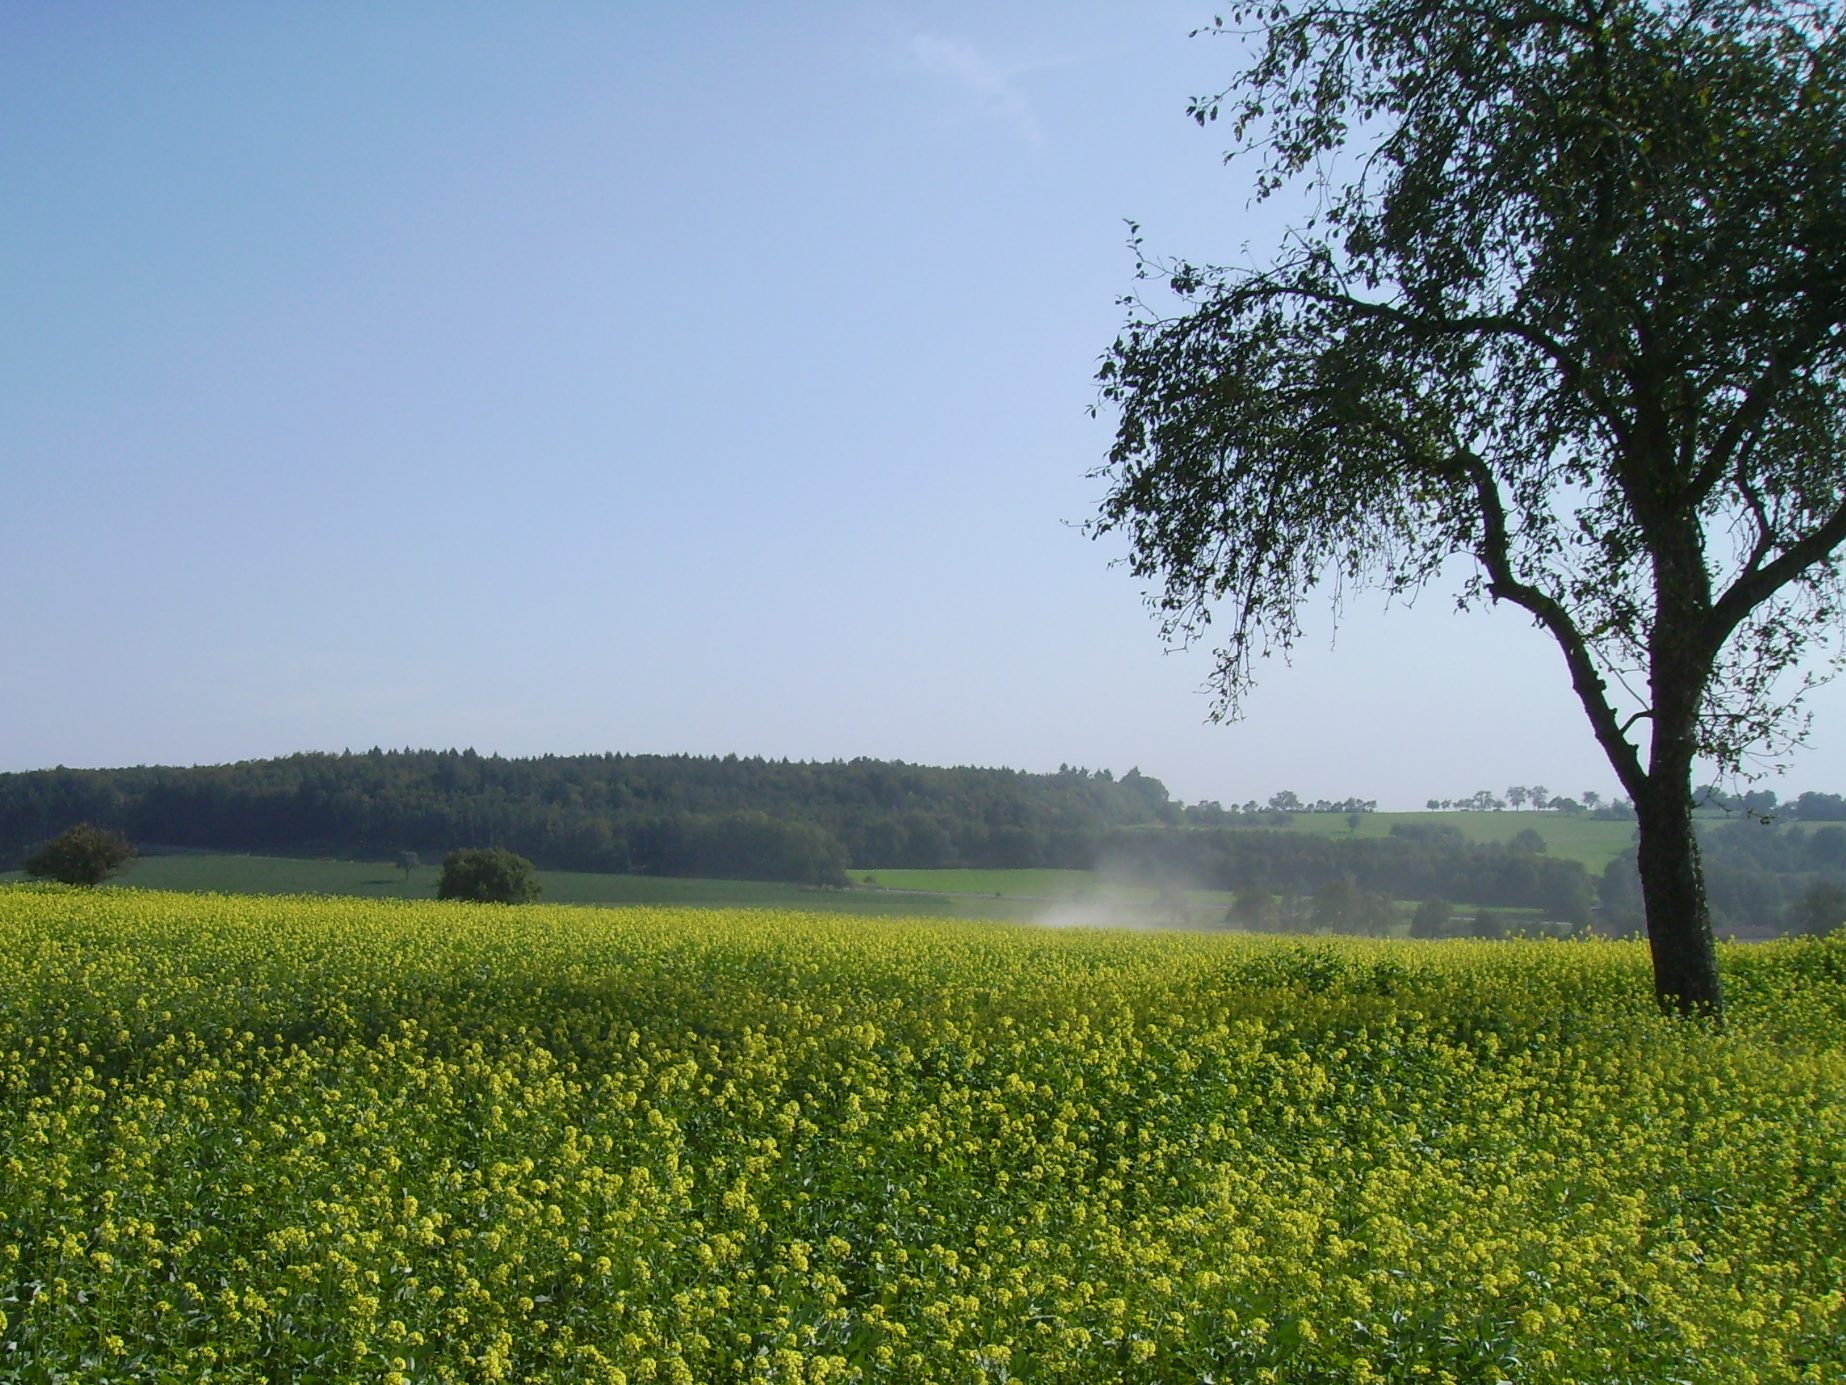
(1483, 324)
(1756, 586)
(1494, 553)
(1757, 401)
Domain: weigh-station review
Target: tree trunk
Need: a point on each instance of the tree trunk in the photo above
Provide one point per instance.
(1673, 895)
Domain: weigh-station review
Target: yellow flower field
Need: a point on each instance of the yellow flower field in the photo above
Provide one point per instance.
(259, 1139)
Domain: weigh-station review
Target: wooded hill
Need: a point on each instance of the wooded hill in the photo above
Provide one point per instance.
(810, 822)
(654, 814)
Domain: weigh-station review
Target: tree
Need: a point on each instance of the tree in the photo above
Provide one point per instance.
(1821, 908)
(488, 875)
(1431, 919)
(408, 861)
(1570, 302)
(81, 855)
(1254, 908)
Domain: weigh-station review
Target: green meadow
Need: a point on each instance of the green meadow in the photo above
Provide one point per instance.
(1593, 841)
(227, 873)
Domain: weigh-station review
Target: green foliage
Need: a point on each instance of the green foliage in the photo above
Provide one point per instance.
(1525, 839)
(654, 814)
(1821, 909)
(81, 855)
(1397, 867)
(1569, 305)
(1342, 907)
(488, 875)
(1432, 919)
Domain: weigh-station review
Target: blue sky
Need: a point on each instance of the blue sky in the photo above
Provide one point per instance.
(647, 378)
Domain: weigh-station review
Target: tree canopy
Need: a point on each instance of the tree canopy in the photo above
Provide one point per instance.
(488, 875)
(1569, 300)
(83, 854)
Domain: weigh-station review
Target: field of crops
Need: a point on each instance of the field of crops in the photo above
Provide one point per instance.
(251, 1139)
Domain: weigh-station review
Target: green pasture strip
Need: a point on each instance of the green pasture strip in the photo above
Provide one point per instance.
(1031, 884)
(1593, 841)
(291, 875)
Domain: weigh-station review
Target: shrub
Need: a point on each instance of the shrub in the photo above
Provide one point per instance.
(81, 855)
(488, 875)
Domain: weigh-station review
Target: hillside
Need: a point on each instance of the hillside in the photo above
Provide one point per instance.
(732, 817)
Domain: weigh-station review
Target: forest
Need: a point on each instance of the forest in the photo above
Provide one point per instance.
(810, 823)
(746, 818)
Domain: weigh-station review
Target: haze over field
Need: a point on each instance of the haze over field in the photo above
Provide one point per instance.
(649, 380)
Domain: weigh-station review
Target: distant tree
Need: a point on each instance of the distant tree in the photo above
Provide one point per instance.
(81, 855)
(1287, 801)
(1353, 820)
(1487, 925)
(1540, 797)
(1335, 905)
(1525, 839)
(1591, 799)
(1342, 907)
(1254, 909)
(1567, 898)
(1431, 919)
(408, 861)
(1568, 304)
(488, 875)
(1821, 908)
(1517, 795)
(1820, 807)
(1434, 804)
(1827, 847)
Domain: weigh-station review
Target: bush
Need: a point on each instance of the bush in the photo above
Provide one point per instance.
(81, 855)
(1821, 908)
(488, 875)
(1432, 919)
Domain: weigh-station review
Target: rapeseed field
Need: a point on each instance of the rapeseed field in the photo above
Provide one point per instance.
(263, 1139)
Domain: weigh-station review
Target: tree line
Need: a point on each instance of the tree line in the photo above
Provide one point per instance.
(730, 816)
(1791, 878)
(1416, 862)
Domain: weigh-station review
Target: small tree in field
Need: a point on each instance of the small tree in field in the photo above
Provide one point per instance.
(81, 855)
(1431, 919)
(488, 875)
(1820, 910)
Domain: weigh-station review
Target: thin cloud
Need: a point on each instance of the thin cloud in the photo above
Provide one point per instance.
(994, 88)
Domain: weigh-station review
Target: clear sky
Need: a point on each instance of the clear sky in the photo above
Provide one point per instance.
(582, 377)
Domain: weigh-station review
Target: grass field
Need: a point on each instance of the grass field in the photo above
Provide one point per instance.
(1065, 897)
(257, 1139)
(239, 874)
(1018, 895)
(1595, 842)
